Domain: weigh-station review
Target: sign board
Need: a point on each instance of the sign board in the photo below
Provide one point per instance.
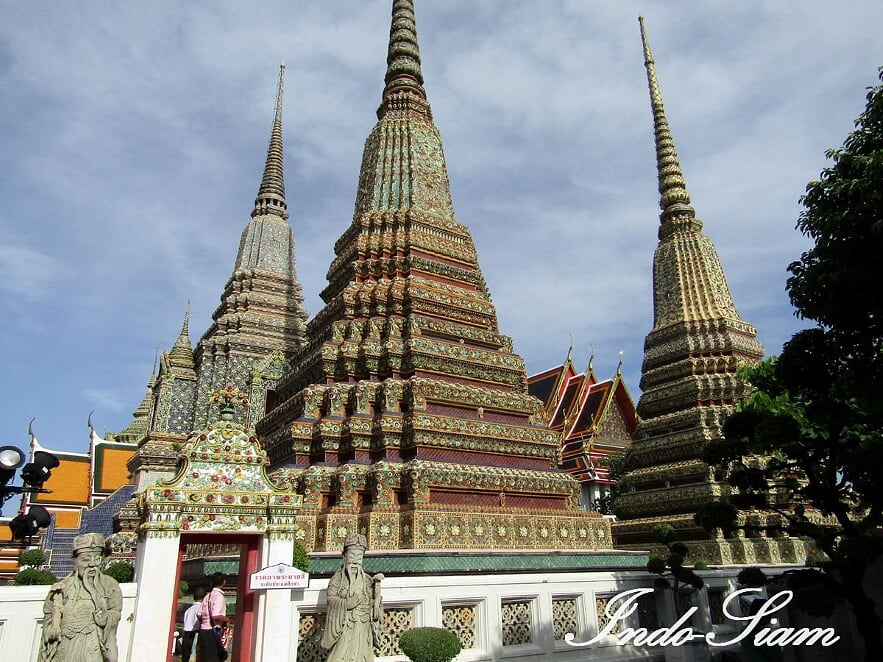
(280, 575)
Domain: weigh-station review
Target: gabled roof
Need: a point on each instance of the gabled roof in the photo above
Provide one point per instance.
(595, 417)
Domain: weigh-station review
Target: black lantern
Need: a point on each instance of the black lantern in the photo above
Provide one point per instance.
(11, 458)
(35, 473)
(28, 525)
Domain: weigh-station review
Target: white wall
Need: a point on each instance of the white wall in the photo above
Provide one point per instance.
(21, 621)
(21, 613)
(427, 595)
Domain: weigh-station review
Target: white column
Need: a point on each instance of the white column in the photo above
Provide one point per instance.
(155, 571)
(274, 629)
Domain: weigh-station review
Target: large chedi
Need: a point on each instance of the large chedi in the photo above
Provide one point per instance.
(689, 376)
(407, 416)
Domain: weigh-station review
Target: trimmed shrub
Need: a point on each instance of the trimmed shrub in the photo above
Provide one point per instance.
(121, 571)
(656, 565)
(753, 577)
(32, 576)
(429, 645)
(32, 558)
(301, 559)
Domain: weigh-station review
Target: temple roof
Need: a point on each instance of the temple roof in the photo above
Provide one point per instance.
(594, 417)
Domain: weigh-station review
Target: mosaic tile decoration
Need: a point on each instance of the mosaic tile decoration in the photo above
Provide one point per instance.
(479, 562)
(691, 359)
(221, 487)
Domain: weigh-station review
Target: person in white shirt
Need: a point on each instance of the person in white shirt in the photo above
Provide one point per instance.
(191, 624)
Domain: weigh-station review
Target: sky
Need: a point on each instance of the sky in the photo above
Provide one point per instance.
(133, 137)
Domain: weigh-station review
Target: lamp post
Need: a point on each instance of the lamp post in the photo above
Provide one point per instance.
(33, 475)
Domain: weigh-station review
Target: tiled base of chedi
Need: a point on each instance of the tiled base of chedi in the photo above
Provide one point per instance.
(448, 495)
(407, 416)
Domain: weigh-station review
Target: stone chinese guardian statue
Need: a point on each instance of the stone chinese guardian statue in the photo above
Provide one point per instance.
(82, 611)
(355, 610)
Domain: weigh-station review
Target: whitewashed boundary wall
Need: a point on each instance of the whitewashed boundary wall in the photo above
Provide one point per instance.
(21, 621)
(505, 617)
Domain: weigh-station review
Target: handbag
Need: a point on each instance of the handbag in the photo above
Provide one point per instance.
(216, 631)
(226, 635)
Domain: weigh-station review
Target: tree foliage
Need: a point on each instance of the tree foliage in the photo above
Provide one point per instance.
(834, 283)
(673, 574)
(617, 464)
(32, 558)
(807, 446)
(122, 571)
(30, 561)
(300, 559)
(32, 576)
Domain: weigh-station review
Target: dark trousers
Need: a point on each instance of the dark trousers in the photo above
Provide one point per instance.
(187, 644)
(206, 648)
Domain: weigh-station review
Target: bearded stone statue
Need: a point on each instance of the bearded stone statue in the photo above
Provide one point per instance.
(82, 611)
(355, 609)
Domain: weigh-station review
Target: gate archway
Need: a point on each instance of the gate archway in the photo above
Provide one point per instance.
(221, 494)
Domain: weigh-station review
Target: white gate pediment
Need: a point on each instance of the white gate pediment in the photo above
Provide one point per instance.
(221, 487)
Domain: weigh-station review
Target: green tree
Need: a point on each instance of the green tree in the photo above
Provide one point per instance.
(673, 574)
(807, 446)
(300, 557)
(429, 644)
(618, 466)
(122, 571)
(30, 574)
(33, 558)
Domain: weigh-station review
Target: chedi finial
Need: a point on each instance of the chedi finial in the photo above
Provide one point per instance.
(404, 80)
(673, 197)
(271, 194)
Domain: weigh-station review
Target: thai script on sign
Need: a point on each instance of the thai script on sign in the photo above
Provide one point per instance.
(280, 575)
(624, 604)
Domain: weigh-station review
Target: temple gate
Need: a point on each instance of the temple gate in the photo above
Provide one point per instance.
(221, 495)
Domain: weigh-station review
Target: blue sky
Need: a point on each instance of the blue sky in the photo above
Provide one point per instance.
(134, 134)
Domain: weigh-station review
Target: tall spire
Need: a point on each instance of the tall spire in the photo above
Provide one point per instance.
(271, 195)
(404, 81)
(406, 298)
(261, 316)
(689, 376)
(674, 201)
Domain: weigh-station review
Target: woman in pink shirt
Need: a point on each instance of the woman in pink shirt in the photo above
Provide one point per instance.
(214, 613)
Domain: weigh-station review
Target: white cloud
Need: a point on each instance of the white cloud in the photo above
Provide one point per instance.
(105, 399)
(27, 273)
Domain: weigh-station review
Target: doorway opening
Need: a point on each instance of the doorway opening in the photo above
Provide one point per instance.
(201, 555)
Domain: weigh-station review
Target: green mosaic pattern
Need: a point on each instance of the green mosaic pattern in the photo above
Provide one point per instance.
(437, 564)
